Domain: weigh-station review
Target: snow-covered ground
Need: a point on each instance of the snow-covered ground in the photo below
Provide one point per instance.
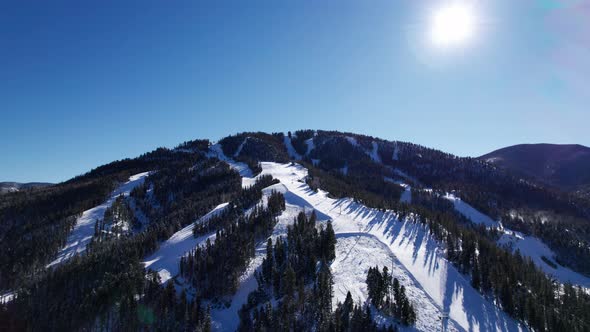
(310, 145)
(374, 154)
(528, 246)
(166, 259)
(355, 254)
(83, 231)
(535, 249)
(366, 237)
(417, 258)
(242, 168)
(406, 196)
(290, 149)
(226, 318)
(6, 297)
(469, 212)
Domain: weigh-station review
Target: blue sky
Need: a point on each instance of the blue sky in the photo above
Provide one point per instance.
(83, 84)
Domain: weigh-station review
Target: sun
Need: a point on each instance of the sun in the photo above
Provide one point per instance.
(453, 25)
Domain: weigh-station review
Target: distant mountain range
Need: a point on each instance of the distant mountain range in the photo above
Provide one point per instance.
(7, 187)
(564, 166)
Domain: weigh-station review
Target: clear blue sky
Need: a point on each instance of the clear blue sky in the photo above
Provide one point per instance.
(83, 84)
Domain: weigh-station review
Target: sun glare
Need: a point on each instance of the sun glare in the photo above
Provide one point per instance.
(453, 25)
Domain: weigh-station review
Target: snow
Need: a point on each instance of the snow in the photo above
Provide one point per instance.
(469, 212)
(365, 237)
(374, 154)
(290, 149)
(406, 196)
(404, 175)
(417, 259)
(355, 254)
(227, 319)
(528, 246)
(310, 145)
(534, 248)
(395, 153)
(239, 150)
(6, 297)
(166, 259)
(138, 213)
(352, 141)
(245, 171)
(344, 170)
(83, 231)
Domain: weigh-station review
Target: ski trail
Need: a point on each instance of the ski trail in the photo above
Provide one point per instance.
(83, 231)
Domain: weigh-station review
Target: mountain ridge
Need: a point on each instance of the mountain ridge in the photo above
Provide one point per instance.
(428, 214)
(565, 166)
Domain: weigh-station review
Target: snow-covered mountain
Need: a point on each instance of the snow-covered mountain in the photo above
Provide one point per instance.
(179, 239)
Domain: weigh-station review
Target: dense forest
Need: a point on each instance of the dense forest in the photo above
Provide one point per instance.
(295, 286)
(518, 286)
(521, 204)
(214, 269)
(107, 287)
(100, 289)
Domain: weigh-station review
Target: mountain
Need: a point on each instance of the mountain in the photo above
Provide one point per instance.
(7, 187)
(309, 230)
(563, 166)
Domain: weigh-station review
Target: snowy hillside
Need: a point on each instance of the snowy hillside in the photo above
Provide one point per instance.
(165, 260)
(83, 231)
(375, 203)
(528, 246)
(368, 237)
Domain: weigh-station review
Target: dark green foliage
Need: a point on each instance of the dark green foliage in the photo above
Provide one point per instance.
(106, 282)
(107, 286)
(214, 269)
(296, 273)
(549, 262)
(246, 198)
(194, 146)
(386, 294)
(518, 286)
(298, 140)
(491, 190)
(255, 147)
(568, 237)
(369, 189)
(35, 224)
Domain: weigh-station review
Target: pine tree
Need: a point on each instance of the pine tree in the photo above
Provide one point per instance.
(268, 264)
(330, 242)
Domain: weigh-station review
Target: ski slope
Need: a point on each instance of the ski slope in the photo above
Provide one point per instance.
(355, 254)
(245, 171)
(226, 318)
(435, 283)
(83, 231)
(166, 259)
(406, 196)
(469, 212)
(290, 149)
(534, 248)
(529, 246)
